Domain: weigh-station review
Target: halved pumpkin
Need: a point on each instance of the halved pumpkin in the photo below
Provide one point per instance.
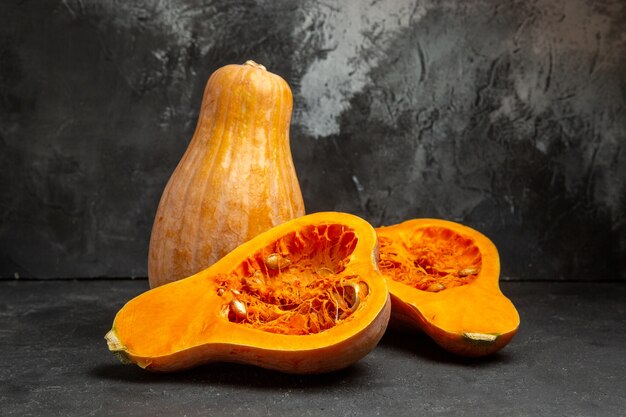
(303, 297)
(443, 279)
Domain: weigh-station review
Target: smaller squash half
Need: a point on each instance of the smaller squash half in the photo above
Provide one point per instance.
(303, 297)
(443, 279)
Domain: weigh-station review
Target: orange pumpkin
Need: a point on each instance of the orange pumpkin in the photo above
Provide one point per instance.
(236, 179)
(443, 279)
(303, 297)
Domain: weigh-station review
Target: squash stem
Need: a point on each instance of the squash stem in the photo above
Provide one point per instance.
(116, 347)
(255, 65)
(480, 338)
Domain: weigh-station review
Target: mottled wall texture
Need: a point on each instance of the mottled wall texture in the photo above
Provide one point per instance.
(509, 116)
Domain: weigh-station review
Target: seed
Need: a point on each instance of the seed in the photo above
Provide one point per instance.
(276, 261)
(356, 289)
(238, 308)
(324, 272)
(468, 271)
(255, 280)
(220, 292)
(435, 287)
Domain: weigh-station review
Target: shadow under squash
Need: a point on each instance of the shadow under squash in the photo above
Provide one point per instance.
(227, 374)
(419, 344)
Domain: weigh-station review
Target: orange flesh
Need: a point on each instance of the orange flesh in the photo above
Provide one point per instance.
(294, 285)
(430, 259)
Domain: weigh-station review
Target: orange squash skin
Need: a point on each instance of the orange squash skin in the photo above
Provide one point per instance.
(471, 320)
(181, 325)
(236, 178)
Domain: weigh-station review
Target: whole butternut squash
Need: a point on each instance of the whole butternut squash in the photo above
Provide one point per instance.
(236, 178)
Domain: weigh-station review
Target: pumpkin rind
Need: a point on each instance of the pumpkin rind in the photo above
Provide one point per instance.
(236, 178)
(182, 324)
(472, 318)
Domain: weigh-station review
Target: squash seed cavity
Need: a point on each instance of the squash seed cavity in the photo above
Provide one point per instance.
(298, 285)
(432, 259)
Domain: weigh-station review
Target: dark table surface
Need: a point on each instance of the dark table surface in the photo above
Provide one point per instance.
(568, 359)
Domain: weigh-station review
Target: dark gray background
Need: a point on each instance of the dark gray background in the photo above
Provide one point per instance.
(508, 116)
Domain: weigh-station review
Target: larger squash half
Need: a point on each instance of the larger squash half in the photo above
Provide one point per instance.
(443, 279)
(303, 297)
